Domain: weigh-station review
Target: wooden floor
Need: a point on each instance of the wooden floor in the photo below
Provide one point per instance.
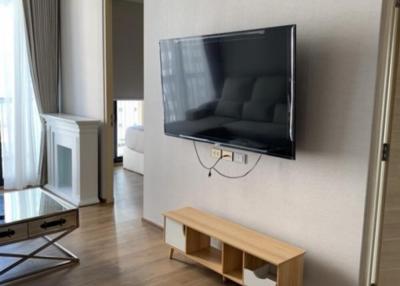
(116, 248)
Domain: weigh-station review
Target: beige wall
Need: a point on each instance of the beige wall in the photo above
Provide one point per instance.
(317, 201)
(128, 49)
(82, 67)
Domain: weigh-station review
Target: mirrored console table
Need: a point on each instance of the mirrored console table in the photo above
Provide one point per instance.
(30, 216)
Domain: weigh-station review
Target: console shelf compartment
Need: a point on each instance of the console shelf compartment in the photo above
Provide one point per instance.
(232, 263)
(246, 257)
(199, 249)
(209, 257)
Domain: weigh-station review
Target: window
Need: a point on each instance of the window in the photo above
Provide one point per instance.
(20, 124)
(128, 113)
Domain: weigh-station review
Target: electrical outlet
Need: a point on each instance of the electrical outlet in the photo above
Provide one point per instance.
(227, 155)
(240, 158)
(216, 153)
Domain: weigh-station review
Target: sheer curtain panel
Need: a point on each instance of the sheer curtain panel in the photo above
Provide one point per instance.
(20, 124)
(42, 26)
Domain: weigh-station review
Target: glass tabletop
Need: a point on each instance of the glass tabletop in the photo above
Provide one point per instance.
(28, 204)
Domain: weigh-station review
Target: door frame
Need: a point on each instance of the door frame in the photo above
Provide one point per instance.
(107, 139)
(117, 159)
(377, 175)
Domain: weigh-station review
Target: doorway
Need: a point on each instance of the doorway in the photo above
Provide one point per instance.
(124, 29)
(388, 252)
(381, 253)
(127, 56)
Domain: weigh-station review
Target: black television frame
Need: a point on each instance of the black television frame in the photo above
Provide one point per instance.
(292, 119)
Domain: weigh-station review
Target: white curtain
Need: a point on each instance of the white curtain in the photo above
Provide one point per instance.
(20, 124)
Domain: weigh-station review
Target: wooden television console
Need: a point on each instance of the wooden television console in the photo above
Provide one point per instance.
(246, 257)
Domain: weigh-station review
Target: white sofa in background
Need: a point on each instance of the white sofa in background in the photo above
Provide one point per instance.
(133, 157)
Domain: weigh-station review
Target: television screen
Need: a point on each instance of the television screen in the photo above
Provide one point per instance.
(234, 89)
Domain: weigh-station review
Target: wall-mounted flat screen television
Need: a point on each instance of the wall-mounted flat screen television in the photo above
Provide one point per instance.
(235, 89)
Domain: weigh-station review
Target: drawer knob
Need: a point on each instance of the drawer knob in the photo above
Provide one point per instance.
(53, 223)
(7, 233)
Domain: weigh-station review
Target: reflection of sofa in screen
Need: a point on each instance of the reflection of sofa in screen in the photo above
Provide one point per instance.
(252, 109)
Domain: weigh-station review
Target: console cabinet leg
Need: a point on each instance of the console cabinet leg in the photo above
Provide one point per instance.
(171, 253)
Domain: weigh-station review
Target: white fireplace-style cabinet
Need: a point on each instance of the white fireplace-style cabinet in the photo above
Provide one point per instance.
(72, 157)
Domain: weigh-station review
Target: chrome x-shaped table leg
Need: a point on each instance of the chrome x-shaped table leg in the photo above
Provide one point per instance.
(69, 258)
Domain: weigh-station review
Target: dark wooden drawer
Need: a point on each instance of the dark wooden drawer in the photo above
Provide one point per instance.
(17, 232)
(53, 224)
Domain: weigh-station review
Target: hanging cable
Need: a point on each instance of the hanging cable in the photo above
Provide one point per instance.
(213, 166)
(204, 165)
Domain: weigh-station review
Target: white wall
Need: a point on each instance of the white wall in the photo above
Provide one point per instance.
(82, 57)
(317, 201)
(82, 67)
(128, 49)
